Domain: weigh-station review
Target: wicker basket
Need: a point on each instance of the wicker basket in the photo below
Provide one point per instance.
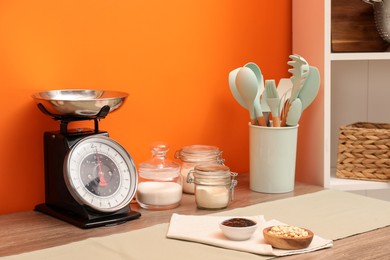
(364, 152)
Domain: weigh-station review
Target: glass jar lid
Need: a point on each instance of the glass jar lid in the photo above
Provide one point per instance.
(213, 174)
(212, 169)
(199, 153)
(159, 167)
(205, 173)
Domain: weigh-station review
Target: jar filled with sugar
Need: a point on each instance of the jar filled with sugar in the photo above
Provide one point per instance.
(159, 186)
(193, 155)
(214, 185)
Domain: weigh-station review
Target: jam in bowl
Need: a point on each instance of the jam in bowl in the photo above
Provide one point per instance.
(238, 228)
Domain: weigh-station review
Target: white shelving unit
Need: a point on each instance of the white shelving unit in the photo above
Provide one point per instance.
(359, 56)
(355, 185)
(353, 89)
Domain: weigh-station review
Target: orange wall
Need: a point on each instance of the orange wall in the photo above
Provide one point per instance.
(172, 57)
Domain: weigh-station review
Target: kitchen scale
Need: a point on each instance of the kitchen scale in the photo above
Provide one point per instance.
(90, 179)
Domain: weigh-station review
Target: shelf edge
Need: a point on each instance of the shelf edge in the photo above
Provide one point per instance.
(360, 56)
(352, 185)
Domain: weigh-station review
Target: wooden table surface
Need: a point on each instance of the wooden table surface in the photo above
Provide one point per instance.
(30, 230)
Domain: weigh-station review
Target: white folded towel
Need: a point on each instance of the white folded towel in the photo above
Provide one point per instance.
(205, 229)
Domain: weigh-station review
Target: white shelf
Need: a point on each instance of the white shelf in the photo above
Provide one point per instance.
(360, 56)
(351, 185)
(360, 79)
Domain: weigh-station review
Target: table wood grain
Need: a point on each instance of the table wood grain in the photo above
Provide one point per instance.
(30, 230)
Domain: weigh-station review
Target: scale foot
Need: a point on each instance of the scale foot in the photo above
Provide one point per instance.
(85, 223)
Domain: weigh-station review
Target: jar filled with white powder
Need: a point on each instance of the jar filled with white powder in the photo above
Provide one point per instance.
(214, 185)
(193, 155)
(159, 186)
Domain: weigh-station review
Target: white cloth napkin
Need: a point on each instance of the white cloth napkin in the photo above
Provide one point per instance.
(205, 229)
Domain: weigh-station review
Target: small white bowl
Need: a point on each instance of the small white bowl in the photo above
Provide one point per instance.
(238, 228)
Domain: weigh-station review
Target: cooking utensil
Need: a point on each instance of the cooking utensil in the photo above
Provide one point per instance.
(263, 103)
(310, 88)
(260, 81)
(233, 88)
(238, 97)
(284, 86)
(232, 82)
(247, 86)
(273, 101)
(256, 69)
(265, 108)
(294, 113)
(284, 91)
(299, 70)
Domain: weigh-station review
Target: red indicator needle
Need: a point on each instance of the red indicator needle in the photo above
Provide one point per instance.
(102, 181)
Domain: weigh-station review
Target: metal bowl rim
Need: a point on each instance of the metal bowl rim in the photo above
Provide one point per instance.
(38, 95)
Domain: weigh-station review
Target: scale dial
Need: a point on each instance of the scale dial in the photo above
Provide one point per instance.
(100, 173)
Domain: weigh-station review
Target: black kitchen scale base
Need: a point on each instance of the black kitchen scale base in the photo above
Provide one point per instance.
(59, 203)
(80, 222)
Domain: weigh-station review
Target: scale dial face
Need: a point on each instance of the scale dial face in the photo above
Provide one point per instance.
(100, 173)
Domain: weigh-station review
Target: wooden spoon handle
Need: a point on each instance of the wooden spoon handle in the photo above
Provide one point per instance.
(275, 121)
(284, 113)
(261, 121)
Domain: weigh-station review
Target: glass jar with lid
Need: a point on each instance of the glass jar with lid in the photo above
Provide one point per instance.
(193, 155)
(159, 186)
(214, 185)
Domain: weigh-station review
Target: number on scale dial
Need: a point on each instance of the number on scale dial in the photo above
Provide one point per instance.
(100, 173)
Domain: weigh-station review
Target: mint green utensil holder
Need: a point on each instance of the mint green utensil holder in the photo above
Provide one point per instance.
(272, 152)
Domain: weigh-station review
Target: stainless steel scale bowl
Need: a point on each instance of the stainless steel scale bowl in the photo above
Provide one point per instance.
(78, 102)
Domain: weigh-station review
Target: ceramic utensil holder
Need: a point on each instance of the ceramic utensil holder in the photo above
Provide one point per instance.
(272, 158)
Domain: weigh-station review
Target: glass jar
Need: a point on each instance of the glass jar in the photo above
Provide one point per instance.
(159, 184)
(214, 185)
(193, 155)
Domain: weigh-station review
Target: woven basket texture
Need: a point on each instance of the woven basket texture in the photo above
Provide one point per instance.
(364, 152)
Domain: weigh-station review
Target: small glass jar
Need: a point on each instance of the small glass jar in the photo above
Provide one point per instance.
(214, 185)
(159, 186)
(193, 155)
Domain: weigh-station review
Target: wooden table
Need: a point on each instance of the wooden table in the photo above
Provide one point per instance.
(30, 230)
